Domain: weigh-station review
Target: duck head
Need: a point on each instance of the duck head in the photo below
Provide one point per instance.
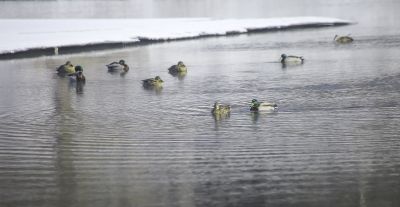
(78, 68)
(157, 78)
(122, 62)
(254, 104)
(283, 57)
(335, 37)
(216, 105)
(180, 64)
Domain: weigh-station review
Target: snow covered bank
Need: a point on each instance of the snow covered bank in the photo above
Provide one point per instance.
(52, 36)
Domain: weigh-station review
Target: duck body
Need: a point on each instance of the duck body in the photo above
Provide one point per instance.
(178, 68)
(220, 109)
(77, 76)
(152, 82)
(117, 66)
(262, 106)
(291, 59)
(67, 68)
(343, 39)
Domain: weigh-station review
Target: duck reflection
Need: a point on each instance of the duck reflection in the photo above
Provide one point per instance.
(220, 117)
(153, 88)
(254, 117)
(79, 87)
(180, 75)
(123, 73)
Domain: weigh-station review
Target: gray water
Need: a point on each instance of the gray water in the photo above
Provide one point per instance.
(333, 142)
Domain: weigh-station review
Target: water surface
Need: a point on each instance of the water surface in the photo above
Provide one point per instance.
(333, 142)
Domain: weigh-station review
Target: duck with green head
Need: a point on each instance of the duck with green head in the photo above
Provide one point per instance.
(153, 82)
(178, 68)
(220, 109)
(343, 39)
(66, 68)
(291, 59)
(256, 105)
(117, 66)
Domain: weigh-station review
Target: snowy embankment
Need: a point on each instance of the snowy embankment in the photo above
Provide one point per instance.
(53, 36)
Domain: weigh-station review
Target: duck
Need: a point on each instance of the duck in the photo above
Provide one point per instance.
(343, 39)
(256, 105)
(178, 68)
(153, 82)
(220, 109)
(116, 66)
(78, 75)
(66, 68)
(291, 59)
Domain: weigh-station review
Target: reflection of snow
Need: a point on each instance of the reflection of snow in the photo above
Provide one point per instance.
(23, 34)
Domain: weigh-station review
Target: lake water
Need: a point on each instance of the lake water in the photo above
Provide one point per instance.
(334, 141)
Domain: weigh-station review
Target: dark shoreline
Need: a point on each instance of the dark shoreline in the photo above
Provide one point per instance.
(49, 51)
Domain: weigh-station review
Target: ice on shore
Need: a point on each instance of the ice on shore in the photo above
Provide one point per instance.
(25, 34)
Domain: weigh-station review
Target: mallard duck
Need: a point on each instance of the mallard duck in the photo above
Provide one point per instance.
(343, 39)
(291, 59)
(220, 109)
(152, 82)
(180, 67)
(78, 75)
(67, 68)
(262, 106)
(116, 66)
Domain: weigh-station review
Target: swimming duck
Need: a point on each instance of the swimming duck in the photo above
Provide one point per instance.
(285, 59)
(115, 66)
(151, 82)
(78, 75)
(67, 68)
(220, 109)
(180, 67)
(343, 39)
(262, 106)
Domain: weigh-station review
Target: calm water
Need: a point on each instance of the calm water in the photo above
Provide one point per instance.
(334, 141)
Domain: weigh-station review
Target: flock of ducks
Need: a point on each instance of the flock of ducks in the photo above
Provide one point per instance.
(255, 105)
(76, 74)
